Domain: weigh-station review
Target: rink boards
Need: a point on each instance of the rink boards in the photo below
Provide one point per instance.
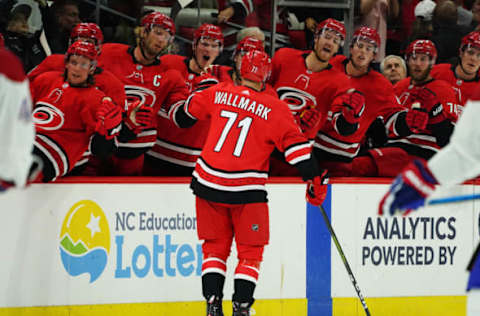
(131, 249)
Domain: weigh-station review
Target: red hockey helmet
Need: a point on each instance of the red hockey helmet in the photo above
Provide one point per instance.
(422, 47)
(472, 39)
(208, 31)
(256, 66)
(367, 34)
(332, 25)
(85, 49)
(2, 40)
(160, 19)
(247, 44)
(87, 30)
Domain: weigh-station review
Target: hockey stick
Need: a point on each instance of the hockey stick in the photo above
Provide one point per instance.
(344, 259)
(454, 199)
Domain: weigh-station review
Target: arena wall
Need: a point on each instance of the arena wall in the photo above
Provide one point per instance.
(130, 248)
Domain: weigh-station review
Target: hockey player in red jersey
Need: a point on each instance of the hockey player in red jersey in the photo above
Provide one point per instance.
(74, 116)
(206, 46)
(149, 86)
(463, 76)
(246, 124)
(17, 131)
(431, 95)
(175, 151)
(104, 80)
(339, 152)
(314, 90)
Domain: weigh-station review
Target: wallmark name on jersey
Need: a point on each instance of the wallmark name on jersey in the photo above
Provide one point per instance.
(244, 103)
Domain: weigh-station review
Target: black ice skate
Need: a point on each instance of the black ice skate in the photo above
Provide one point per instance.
(241, 309)
(214, 306)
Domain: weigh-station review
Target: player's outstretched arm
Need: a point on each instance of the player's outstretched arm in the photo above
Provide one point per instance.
(409, 189)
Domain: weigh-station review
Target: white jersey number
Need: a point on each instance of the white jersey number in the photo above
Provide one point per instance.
(243, 124)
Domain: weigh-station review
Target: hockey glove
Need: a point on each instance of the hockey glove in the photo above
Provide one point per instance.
(317, 189)
(409, 189)
(308, 121)
(139, 117)
(416, 119)
(353, 106)
(109, 119)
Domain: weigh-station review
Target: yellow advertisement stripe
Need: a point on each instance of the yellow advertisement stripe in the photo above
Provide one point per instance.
(402, 306)
(284, 307)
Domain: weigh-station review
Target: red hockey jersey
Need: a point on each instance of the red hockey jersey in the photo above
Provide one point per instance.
(438, 107)
(464, 89)
(245, 127)
(302, 89)
(104, 80)
(380, 102)
(65, 121)
(154, 85)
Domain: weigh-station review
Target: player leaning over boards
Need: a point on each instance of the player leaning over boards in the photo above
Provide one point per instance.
(71, 115)
(149, 85)
(457, 162)
(463, 75)
(246, 125)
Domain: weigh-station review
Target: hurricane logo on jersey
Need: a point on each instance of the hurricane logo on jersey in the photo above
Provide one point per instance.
(47, 117)
(85, 240)
(144, 95)
(297, 100)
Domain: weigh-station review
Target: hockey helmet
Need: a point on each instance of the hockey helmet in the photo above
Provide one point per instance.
(256, 66)
(208, 31)
(85, 49)
(472, 39)
(160, 19)
(87, 30)
(367, 34)
(422, 47)
(247, 44)
(332, 25)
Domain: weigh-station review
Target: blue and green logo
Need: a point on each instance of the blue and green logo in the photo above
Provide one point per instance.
(85, 240)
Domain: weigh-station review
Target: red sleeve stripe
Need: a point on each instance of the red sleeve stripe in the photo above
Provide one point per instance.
(336, 147)
(391, 122)
(173, 110)
(145, 139)
(187, 103)
(298, 153)
(54, 153)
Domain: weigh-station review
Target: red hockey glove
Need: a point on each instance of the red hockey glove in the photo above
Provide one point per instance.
(353, 106)
(203, 81)
(109, 119)
(308, 121)
(409, 189)
(139, 117)
(317, 189)
(416, 119)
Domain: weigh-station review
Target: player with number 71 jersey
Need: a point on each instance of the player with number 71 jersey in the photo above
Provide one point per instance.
(246, 125)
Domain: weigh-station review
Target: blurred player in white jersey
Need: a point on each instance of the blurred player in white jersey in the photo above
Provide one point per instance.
(455, 163)
(16, 126)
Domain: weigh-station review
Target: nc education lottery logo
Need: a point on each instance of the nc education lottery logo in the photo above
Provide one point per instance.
(85, 240)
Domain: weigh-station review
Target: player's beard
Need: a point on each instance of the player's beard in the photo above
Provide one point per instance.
(423, 76)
